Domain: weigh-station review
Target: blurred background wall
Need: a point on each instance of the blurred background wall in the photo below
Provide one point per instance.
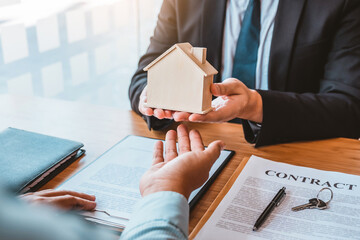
(74, 50)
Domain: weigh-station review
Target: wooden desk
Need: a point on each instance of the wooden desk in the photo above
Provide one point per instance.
(100, 127)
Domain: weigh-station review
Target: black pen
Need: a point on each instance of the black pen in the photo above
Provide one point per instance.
(266, 213)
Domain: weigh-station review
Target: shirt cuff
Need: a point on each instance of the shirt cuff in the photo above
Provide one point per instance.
(169, 206)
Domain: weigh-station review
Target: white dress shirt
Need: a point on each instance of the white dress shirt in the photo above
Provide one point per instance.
(234, 16)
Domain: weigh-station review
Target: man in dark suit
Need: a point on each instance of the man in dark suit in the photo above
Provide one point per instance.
(312, 74)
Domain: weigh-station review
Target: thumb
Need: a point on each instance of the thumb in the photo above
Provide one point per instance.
(212, 152)
(230, 86)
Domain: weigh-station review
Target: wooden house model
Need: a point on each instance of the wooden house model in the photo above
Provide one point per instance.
(180, 80)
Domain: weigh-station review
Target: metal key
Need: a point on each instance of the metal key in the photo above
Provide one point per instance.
(324, 205)
(321, 205)
(313, 203)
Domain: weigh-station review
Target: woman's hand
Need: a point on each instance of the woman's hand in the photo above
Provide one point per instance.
(182, 171)
(66, 200)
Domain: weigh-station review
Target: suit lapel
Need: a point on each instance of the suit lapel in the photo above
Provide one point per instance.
(286, 23)
(213, 21)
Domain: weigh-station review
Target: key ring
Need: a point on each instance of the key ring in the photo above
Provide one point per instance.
(326, 188)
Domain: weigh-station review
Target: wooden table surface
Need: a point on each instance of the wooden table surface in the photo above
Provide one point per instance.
(99, 128)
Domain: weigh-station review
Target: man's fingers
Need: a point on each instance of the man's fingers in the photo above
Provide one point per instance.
(184, 140)
(168, 114)
(213, 150)
(72, 202)
(54, 193)
(170, 146)
(229, 87)
(198, 117)
(196, 141)
(158, 153)
(181, 116)
(143, 99)
(147, 111)
(159, 113)
(213, 116)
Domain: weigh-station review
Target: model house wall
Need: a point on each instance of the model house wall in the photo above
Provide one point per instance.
(180, 80)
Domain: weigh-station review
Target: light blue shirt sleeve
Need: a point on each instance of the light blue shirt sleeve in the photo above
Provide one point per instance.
(162, 215)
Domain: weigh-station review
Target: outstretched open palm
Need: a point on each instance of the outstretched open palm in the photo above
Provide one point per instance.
(180, 171)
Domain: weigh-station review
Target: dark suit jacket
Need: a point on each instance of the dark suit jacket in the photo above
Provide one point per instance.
(314, 71)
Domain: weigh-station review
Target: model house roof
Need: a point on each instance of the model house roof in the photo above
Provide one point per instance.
(187, 49)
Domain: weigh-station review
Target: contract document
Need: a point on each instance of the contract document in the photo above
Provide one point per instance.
(258, 183)
(115, 176)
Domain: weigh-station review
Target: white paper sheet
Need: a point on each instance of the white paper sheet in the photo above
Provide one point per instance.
(114, 179)
(258, 183)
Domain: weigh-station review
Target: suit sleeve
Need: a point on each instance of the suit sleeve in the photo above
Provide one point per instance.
(165, 35)
(334, 111)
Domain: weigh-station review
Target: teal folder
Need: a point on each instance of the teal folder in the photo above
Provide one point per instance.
(28, 160)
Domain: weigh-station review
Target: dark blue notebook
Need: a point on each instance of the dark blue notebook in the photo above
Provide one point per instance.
(28, 160)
